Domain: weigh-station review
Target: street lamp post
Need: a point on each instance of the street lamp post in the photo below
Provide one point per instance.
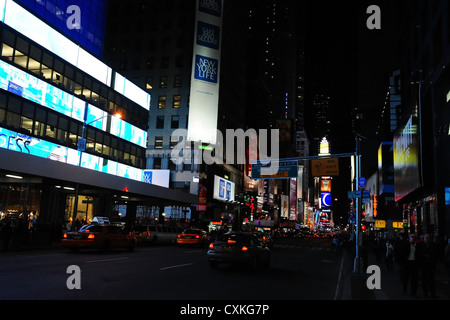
(81, 149)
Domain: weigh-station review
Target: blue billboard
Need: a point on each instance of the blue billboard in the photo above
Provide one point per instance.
(84, 21)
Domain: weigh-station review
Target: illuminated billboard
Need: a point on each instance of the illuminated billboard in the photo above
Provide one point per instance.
(205, 81)
(223, 189)
(33, 28)
(406, 159)
(38, 91)
(44, 149)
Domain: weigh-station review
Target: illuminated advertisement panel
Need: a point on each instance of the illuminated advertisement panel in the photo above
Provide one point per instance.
(406, 159)
(29, 87)
(33, 28)
(223, 189)
(204, 95)
(25, 144)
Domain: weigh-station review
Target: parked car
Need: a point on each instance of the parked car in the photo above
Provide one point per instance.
(193, 237)
(155, 234)
(99, 236)
(239, 248)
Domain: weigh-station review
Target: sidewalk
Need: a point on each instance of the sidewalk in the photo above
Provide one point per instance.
(355, 287)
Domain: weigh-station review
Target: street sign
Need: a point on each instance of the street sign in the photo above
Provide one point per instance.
(362, 182)
(325, 167)
(357, 194)
(380, 224)
(397, 224)
(82, 145)
(284, 170)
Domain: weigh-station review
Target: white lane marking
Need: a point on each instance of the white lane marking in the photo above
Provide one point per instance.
(107, 260)
(177, 266)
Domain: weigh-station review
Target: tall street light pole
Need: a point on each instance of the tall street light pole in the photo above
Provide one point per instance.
(81, 149)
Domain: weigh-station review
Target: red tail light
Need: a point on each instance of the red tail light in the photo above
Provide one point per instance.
(149, 233)
(244, 248)
(197, 237)
(211, 246)
(65, 236)
(91, 236)
(231, 241)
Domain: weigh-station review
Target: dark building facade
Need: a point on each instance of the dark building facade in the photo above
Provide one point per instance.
(152, 43)
(421, 143)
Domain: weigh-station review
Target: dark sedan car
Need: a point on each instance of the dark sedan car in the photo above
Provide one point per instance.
(239, 248)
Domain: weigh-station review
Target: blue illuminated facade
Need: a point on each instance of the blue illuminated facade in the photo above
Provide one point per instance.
(93, 14)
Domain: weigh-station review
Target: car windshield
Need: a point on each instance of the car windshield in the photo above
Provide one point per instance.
(237, 237)
(90, 228)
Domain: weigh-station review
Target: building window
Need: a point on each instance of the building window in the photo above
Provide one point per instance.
(175, 123)
(176, 101)
(165, 62)
(161, 102)
(178, 82)
(160, 122)
(173, 142)
(149, 83)
(163, 82)
(158, 142)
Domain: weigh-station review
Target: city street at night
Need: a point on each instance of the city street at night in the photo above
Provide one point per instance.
(300, 269)
(225, 157)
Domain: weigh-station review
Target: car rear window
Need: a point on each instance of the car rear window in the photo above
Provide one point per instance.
(92, 228)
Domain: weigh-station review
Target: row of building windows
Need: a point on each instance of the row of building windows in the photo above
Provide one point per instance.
(164, 82)
(138, 63)
(27, 118)
(29, 57)
(176, 102)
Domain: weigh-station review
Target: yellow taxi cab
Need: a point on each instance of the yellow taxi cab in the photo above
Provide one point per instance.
(193, 237)
(99, 236)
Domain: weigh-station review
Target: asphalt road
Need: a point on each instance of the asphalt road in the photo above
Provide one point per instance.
(307, 269)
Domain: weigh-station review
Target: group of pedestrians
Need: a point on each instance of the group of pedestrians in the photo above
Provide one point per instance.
(418, 259)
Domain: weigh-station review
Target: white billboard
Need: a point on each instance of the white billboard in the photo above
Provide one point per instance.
(205, 81)
(223, 189)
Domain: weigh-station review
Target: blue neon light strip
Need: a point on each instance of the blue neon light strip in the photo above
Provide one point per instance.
(44, 149)
(31, 88)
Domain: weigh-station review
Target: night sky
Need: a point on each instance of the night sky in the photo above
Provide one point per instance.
(351, 63)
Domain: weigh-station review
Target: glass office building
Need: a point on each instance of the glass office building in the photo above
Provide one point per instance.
(54, 94)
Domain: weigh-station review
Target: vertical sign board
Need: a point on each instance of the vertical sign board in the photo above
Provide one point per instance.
(204, 95)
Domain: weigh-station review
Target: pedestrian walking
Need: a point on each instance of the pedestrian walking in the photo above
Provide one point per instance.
(409, 267)
(428, 262)
(389, 255)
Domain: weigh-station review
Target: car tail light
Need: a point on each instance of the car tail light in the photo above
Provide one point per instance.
(149, 233)
(244, 248)
(197, 237)
(179, 236)
(211, 246)
(91, 236)
(231, 241)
